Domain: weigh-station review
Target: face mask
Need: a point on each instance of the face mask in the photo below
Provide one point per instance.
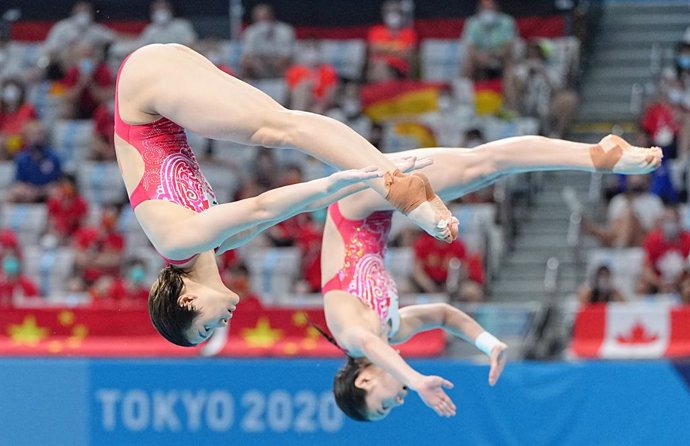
(137, 274)
(11, 93)
(10, 265)
(604, 285)
(86, 66)
(670, 229)
(393, 20)
(161, 16)
(488, 17)
(83, 19)
(683, 61)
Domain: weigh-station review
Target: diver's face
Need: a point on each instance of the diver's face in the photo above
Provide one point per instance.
(384, 392)
(215, 310)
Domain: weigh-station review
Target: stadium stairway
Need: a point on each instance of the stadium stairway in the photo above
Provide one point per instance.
(623, 57)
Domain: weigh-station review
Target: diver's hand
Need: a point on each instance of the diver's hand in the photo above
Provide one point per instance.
(498, 361)
(410, 163)
(430, 390)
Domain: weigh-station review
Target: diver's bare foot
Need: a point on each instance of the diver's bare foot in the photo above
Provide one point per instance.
(614, 154)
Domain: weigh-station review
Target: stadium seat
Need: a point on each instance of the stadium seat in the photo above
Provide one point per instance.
(400, 264)
(275, 88)
(273, 271)
(441, 59)
(347, 56)
(50, 269)
(223, 180)
(101, 182)
(27, 220)
(71, 140)
(232, 53)
(6, 175)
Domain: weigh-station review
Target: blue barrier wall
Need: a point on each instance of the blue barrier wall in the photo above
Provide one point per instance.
(288, 402)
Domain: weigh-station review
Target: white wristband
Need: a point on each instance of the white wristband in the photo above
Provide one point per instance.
(486, 342)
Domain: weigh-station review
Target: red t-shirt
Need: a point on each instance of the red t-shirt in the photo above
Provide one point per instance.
(87, 238)
(104, 124)
(102, 77)
(403, 39)
(435, 255)
(325, 78)
(21, 284)
(658, 116)
(65, 216)
(13, 123)
(656, 247)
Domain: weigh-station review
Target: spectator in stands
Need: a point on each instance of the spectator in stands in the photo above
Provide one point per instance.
(308, 240)
(431, 262)
(88, 80)
(37, 167)
(79, 28)
(488, 36)
(15, 112)
(166, 28)
(667, 248)
(9, 66)
(99, 250)
(661, 124)
(268, 45)
(13, 284)
(533, 87)
(679, 93)
(312, 85)
(631, 215)
(348, 109)
(130, 289)
(392, 45)
(286, 232)
(67, 209)
(9, 242)
(103, 135)
(265, 168)
(600, 288)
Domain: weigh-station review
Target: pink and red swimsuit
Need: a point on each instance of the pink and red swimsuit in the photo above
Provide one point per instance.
(171, 171)
(364, 272)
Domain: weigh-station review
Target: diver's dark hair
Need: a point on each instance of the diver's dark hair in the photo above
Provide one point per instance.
(170, 319)
(349, 398)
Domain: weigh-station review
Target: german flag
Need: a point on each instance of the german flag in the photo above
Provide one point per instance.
(400, 98)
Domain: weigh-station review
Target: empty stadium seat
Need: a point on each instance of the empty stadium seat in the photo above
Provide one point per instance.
(441, 59)
(50, 269)
(71, 140)
(101, 182)
(6, 176)
(224, 181)
(273, 271)
(27, 220)
(400, 264)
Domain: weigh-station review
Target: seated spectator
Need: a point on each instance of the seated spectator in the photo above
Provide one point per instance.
(286, 232)
(15, 112)
(312, 85)
(431, 261)
(308, 239)
(67, 209)
(13, 284)
(9, 242)
(78, 28)
(268, 46)
(667, 248)
(661, 125)
(131, 289)
(88, 82)
(488, 36)
(166, 28)
(99, 250)
(348, 110)
(631, 215)
(600, 288)
(103, 135)
(37, 167)
(679, 93)
(391, 45)
(535, 88)
(9, 66)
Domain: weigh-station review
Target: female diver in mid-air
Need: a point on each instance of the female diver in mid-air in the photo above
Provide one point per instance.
(360, 297)
(162, 90)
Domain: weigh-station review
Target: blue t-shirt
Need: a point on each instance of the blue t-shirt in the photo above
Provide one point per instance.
(38, 171)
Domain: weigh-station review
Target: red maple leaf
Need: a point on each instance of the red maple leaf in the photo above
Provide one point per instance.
(637, 335)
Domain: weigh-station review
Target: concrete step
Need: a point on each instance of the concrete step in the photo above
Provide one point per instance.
(593, 112)
(616, 74)
(645, 21)
(537, 259)
(541, 241)
(516, 273)
(529, 285)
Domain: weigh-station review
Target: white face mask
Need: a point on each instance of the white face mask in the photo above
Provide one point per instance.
(488, 17)
(161, 16)
(393, 20)
(83, 19)
(11, 94)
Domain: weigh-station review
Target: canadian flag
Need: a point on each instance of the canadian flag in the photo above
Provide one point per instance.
(632, 330)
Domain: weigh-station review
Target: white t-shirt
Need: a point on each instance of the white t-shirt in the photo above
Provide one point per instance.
(176, 31)
(647, 207)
